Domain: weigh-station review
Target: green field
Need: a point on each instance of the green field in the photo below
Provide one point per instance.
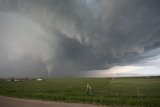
(138, 91)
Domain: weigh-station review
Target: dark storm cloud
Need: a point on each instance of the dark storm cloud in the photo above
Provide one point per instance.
(71, 36)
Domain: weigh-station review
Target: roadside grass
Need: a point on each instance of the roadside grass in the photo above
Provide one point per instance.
(105, 91)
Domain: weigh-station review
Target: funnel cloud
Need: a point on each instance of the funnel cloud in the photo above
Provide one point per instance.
(57, 38)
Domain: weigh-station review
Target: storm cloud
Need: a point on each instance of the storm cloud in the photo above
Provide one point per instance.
(40, 38)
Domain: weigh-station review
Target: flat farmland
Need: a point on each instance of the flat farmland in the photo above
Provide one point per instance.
(133, 91)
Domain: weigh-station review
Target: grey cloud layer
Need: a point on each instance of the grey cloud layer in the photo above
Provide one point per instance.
(71, 36)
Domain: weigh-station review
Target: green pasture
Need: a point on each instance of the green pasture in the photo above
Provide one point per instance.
(135, 91)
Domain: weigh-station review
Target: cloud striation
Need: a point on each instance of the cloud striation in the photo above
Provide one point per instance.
(40, 38)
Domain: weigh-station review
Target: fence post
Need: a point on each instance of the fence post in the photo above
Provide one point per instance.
(88, 89)
(138, 92)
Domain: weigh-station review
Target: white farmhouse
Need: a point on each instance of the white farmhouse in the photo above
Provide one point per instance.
(39, 79)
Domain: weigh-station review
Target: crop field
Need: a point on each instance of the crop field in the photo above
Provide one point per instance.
(135, 91)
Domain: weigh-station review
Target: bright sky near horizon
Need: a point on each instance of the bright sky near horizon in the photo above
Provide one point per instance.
(126, 71)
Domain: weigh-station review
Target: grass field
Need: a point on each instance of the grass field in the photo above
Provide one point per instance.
(134, 91)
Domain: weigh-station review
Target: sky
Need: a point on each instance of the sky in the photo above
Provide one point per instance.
(86, 38)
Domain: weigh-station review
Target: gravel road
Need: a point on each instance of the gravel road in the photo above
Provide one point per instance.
(16, 102)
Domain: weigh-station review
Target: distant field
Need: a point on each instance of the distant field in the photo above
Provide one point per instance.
(105, 91)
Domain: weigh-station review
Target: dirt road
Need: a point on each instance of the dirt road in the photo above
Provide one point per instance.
(16, 102)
